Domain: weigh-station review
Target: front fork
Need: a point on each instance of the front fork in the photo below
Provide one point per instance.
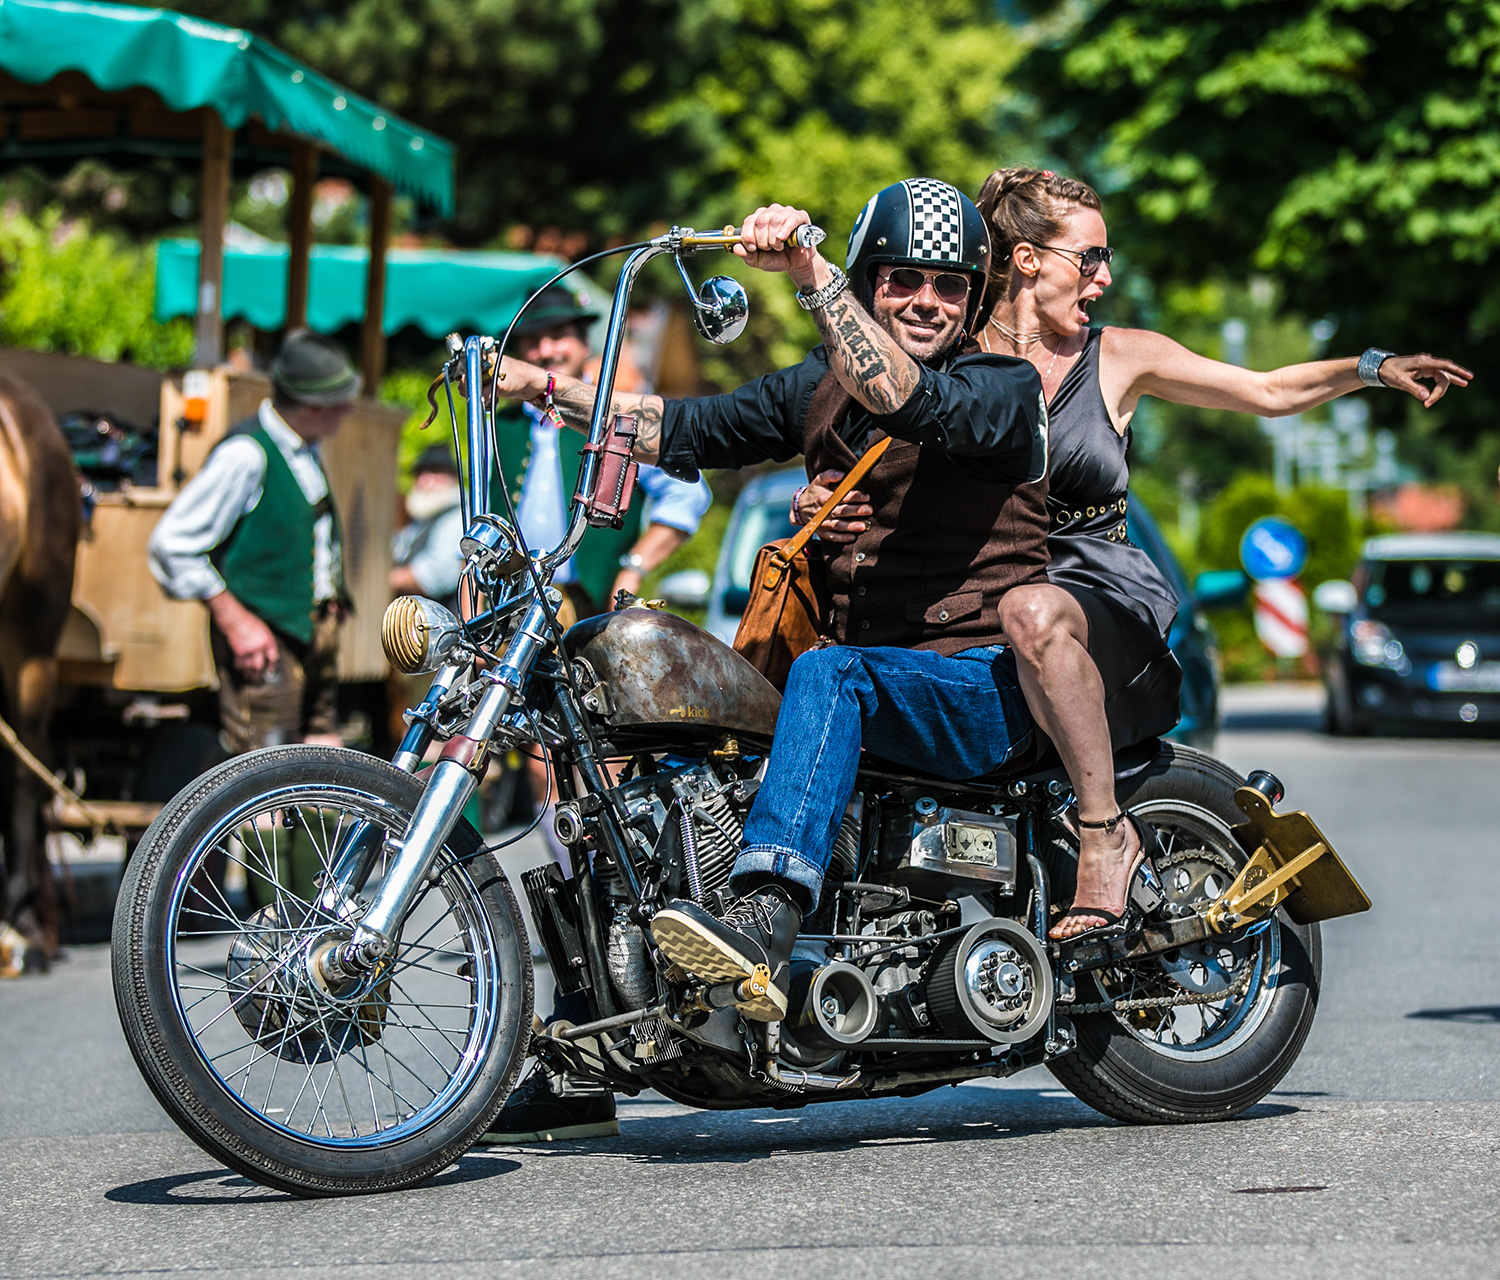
(451, 783)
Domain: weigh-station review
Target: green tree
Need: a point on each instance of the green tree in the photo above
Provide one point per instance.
(1350, 149)
(609, 115)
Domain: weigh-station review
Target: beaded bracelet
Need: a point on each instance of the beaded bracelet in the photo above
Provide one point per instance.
(549, 406)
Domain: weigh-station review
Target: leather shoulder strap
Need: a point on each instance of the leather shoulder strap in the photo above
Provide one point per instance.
(855, 474)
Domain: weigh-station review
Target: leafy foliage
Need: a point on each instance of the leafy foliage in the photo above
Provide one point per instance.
(1348, 148)
(67, 287)
(609, 115)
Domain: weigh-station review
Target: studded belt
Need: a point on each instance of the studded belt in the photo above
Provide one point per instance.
(1066, 515)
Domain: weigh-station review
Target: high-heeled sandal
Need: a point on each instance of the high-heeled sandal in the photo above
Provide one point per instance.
(1145, 894)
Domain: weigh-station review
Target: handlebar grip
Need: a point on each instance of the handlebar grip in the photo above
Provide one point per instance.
(804, 237)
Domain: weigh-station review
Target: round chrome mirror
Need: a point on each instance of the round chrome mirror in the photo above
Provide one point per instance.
(722, 309)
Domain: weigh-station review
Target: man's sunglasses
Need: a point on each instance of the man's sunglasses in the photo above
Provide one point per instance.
(950, 286)
(1089, 260)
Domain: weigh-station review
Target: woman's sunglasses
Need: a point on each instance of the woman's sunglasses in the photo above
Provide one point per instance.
(1089, 260)
(903, 282)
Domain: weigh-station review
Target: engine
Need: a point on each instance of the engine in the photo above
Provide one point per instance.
(885, 962)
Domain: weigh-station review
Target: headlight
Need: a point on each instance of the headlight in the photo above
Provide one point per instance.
(417, 634)
(1374, 646)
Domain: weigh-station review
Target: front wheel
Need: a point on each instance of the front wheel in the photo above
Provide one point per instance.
(303, 1089)
(1206, 1031)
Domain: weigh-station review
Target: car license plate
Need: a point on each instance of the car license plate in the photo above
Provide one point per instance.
(1449, 677)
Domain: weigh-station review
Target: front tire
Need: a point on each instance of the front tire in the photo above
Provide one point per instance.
(291, 1085)
(1208, 1061)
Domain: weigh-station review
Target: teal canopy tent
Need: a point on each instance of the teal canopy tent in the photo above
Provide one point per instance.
(187, 64)
(438, 291)
(132, 86)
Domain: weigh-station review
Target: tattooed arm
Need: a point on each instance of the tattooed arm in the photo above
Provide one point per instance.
(864, 357)
(575, 398)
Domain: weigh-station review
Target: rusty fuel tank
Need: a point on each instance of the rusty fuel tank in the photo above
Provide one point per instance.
(660, 672)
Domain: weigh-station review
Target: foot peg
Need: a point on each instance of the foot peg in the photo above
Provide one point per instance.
(731, 994)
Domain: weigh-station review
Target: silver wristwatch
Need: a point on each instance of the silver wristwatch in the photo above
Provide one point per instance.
(1369, 366)
(820, 298)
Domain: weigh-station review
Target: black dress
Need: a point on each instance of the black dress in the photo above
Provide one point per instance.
(1128, 602)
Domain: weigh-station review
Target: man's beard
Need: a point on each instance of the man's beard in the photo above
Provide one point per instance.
(426, 504)
(937, 356)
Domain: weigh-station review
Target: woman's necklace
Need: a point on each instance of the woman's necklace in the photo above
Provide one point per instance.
(1017, 339)
(1020, 340)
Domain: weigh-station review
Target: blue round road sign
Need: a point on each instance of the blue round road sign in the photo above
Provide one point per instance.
(1273, 548)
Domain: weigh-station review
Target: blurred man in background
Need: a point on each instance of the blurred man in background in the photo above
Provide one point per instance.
(425, 558)
(541, 471)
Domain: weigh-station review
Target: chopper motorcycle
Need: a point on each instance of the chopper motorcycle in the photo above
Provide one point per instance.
(363, 1029)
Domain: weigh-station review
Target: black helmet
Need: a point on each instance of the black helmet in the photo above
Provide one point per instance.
(920, 222)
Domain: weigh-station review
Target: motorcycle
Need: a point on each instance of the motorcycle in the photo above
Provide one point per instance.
(363, 1029)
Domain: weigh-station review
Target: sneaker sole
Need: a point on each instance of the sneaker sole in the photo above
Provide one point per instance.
(603, 1129)
(685, 942)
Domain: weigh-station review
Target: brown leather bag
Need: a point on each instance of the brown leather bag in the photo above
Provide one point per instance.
(788, 607)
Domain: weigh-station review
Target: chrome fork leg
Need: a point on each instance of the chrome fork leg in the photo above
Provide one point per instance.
(448, 789)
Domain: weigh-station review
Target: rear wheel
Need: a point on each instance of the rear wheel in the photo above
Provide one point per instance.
(304, 1089)
(1216, 1025)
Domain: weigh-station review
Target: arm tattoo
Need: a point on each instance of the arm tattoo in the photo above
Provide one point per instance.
(866, 359)
(575, 401)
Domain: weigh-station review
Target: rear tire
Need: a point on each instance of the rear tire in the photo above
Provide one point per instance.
(372, 1093)
(1127, 1065)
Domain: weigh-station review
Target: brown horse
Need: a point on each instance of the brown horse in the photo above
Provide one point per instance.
(39, 521)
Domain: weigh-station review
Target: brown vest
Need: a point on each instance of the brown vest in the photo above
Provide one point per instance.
(941, 549)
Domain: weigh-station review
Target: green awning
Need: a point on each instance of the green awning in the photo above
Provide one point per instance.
(190, 63)
(439, 291)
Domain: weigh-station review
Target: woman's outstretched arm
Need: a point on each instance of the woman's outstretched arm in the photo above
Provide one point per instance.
(1138, 362)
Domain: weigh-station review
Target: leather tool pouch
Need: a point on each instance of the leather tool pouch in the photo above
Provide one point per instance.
(615, 486)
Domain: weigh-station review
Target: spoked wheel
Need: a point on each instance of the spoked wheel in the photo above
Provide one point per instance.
(1203, 1032)
(317, 1091)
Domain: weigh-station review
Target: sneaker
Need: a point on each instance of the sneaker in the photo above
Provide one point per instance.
(757, 930)
(534, 1113)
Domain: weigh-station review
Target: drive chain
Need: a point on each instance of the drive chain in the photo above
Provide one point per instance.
(1232, 992)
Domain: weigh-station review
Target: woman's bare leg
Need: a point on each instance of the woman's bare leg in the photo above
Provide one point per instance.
(1049, 632)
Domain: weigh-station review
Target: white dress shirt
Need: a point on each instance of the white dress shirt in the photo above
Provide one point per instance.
(228, 488)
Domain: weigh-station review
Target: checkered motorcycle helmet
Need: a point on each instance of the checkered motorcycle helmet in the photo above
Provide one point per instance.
(920, 222)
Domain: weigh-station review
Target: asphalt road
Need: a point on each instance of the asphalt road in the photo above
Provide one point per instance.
(1376, 1157)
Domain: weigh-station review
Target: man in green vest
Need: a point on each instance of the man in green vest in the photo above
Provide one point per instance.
(254, 536)
(541, 465)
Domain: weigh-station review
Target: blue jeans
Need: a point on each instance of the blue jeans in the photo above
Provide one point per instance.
(956, 718)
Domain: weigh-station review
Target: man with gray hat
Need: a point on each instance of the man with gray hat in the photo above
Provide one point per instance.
(254, 536)
(541, 470)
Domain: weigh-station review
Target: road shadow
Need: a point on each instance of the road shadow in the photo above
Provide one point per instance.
(220, 1186)
(966, 1114)
(1475, 1013)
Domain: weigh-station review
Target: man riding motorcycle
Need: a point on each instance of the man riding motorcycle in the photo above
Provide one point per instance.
(918, 672)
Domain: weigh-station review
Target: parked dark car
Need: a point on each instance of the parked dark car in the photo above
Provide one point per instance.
(761, 516)
(1418, 640)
